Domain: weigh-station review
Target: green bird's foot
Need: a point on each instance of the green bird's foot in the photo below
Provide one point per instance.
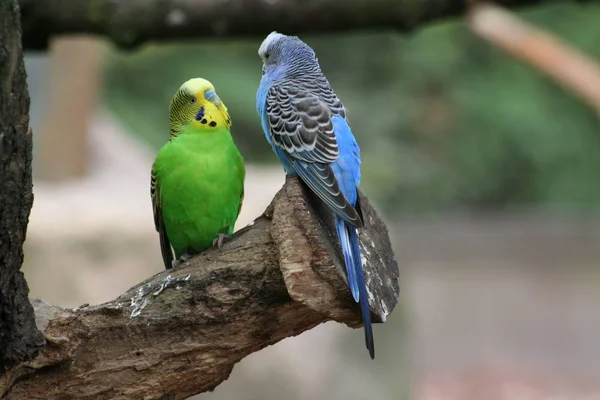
(219, 240)
(184, 257)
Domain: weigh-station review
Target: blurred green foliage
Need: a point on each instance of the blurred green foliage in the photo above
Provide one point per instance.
(444, 120)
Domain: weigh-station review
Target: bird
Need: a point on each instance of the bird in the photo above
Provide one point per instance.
(306, 124)
(197, 179)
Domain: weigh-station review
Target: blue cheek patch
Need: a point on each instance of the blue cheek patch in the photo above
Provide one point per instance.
(200, 114)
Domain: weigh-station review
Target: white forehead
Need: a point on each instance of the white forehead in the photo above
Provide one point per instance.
(272, 38)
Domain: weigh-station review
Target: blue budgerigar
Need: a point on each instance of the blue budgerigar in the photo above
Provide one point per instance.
(305, 123)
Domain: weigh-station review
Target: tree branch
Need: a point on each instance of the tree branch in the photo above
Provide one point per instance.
(180, 332)
(577, 72)
(131, 23)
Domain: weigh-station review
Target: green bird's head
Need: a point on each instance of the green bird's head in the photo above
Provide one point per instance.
(196, 104)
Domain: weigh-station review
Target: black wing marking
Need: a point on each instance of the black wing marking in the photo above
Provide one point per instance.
(165, 245)
(300, 124)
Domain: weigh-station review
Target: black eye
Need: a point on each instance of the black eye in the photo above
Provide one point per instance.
(266, 56)
(193, 100)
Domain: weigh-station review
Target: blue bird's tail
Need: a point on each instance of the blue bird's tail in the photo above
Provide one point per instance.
(356, 278)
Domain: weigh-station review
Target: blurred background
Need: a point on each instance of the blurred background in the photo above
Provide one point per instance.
(487, 173)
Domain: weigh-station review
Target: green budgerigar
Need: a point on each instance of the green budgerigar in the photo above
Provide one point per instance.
(197, 184)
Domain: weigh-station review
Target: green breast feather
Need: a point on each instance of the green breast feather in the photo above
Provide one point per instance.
(198, 181)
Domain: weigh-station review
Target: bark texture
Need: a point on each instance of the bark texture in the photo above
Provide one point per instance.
(19, 338)
(133, 22)
(180, 332)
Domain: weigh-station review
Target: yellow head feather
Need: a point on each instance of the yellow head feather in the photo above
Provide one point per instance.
(196, 104)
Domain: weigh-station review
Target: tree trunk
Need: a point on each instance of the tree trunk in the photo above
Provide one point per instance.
(19, 338)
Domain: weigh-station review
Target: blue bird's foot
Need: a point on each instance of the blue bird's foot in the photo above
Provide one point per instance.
(184, 257)
(219, 240)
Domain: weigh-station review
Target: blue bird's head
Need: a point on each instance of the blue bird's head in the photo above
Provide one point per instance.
(286, 56)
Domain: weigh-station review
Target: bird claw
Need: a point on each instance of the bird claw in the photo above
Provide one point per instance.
(219, 240)
(184, 257)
